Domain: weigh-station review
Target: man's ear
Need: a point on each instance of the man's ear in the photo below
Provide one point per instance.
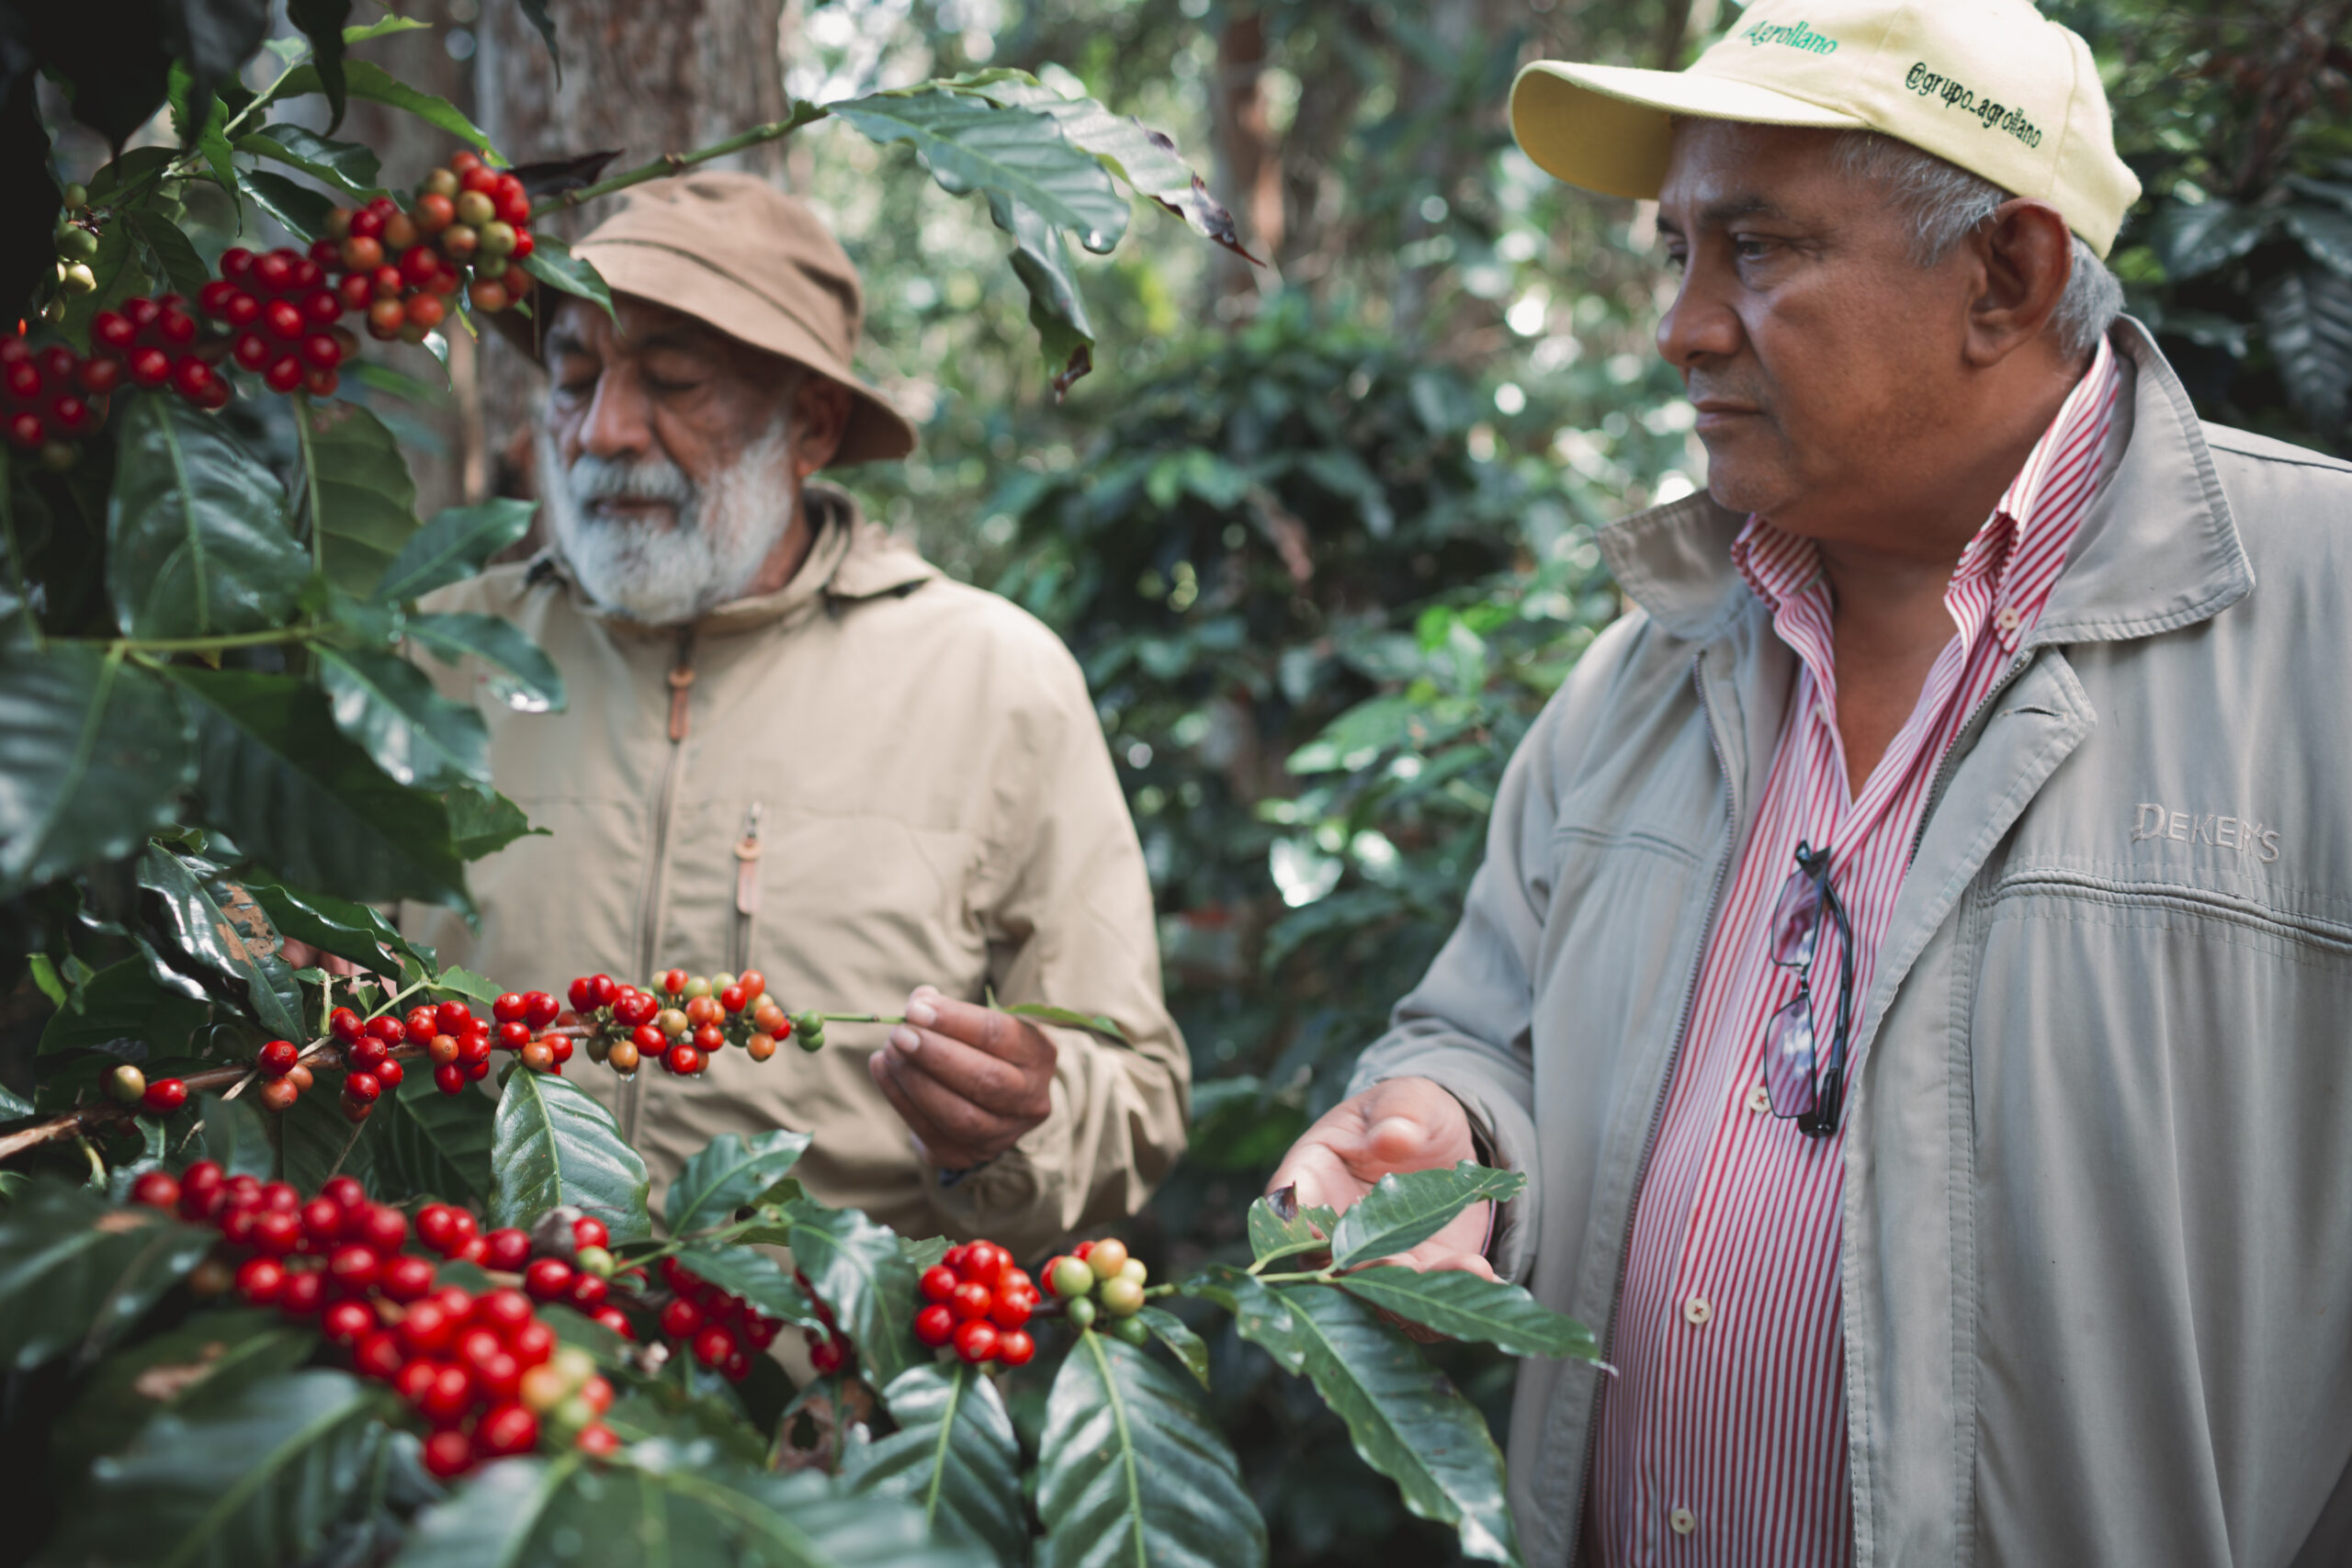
(820, 412)
(2025, 256)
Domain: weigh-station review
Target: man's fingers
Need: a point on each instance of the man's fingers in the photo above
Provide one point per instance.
(994, 1034)
(957, 1119)
(988, 1081)
(943, 1148)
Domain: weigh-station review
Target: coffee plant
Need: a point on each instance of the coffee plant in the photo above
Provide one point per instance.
(434, 1316)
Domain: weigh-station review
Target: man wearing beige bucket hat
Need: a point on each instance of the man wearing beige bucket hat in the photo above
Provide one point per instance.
(1911, 958)
(791, 744)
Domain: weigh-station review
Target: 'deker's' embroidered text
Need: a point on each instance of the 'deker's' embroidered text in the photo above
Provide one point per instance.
(2238, 833)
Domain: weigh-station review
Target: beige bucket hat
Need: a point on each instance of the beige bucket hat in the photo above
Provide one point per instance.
(735, 253)
(1992, 86)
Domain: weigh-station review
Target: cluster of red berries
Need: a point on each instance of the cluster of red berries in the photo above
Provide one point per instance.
(719, 1329)
(52, 397)
(483, 1371)
(682, 1020)
(1098, 1282)
(583, 1283)
(281, 311)
(456, 1040)
(979, 1303)
(828, 1348)
(401, 266)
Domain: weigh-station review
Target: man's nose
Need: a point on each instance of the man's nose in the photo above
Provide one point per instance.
(1699, 325)
(620, 417)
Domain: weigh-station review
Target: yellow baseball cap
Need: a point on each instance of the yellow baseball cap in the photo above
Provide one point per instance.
(1991, 86)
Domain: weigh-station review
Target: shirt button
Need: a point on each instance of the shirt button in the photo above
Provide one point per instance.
(2009, 620)
(1683, 1520)
(1696, 1312)
(1759, 1100)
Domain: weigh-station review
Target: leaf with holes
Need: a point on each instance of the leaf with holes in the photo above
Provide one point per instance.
(265, 1475)
(241, 955)
(730, 1172)
(1403, 1210)
(856, 1268)
(1129, 1471)
(954, 1456)
(1279, 1228)
(339, 926)
(553, 1145)
(196, 529)
(77, 1271)
(525, 678)
(454, 545)
(1469, 1306)
(93, 755)
(1403, 1415)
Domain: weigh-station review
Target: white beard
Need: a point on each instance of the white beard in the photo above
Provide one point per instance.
(666, 576)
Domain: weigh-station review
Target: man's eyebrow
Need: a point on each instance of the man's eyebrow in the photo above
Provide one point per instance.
(563, 342)
(1727, 210)
(688, 338)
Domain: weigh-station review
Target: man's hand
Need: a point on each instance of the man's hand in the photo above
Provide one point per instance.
(302, 955)
(1402, 1125)
(968, 1081)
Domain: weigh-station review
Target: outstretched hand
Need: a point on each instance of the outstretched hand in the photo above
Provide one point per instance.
(966, 1080)
(1399, 1125)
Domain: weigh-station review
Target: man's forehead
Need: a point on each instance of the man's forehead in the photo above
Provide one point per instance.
(643, 327)
(1721, 170)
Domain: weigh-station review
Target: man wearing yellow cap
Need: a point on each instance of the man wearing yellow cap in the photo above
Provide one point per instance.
(792, 745)
(1911, 958)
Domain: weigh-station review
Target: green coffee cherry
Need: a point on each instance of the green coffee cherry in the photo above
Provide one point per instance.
(127, 1084)
(77, 243)
(594, 1260)
(1121, 1297)
(77, 197)
(1130, 1330)
(1081, 1312)
(1071, 1278)
(1134, 1270)
(697, 985)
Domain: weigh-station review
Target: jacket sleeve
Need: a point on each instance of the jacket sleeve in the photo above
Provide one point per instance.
(1066, 908)
(1467, 1026)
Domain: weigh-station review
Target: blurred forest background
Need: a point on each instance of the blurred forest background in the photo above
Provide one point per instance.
(1322, 531)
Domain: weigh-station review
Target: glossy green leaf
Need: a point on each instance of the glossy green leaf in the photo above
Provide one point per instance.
(391, 708)
(1403, 1210)
(367, 499)
(2307, 321)
(553, 1145)
(1069, 1018)
(300, 209)
(124, 1001)
(454, 545)
(340, 926)
(201, 1363)
(754, 1276)
(658, 1410)
(954, 1456)
(678, 1503)
(77, 1271)
(1258, 1309)
(346, 165)
(1187, 1347)
(1467, 1306)
(526, 678)
(93, 755)
(1279, 1228)
(970, 144)
(204, 931)
(2325, 233)
(169, 252)
(315, 1141)
(552, 262)
(263, 1476)
(433, 1145)
(1056, 306)
(365, 80)
(196, 529)
(232, 1132)
(1405, 1417)
(482, 822)
(277, 777)
(855, 1268)
(1129, 1471)
(730, 1172)
(2193, 239)
(218, 36)
(321, 22)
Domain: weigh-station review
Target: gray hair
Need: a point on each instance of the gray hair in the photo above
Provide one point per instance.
(1946, 203)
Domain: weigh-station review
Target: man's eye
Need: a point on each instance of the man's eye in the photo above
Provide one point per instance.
(668, 387)
(1678, 259)
(1751, 249)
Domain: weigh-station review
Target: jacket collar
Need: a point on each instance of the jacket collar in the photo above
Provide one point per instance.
(851, 559)
(2158, 550)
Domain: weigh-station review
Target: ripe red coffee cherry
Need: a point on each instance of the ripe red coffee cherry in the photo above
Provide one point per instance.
(414, 1381)
(343, 1191)
(681, 1318)
(603, 989)
(302, 1292)
(366, 1055)
(143, 312)
(972, 1301)
(406, 1278)
(426, 1330)
(598, 1441)
(277, 1057)
(362, 1088)
(353, 1267)
(618, 1321)
(976, 1341)
(323, 306)
(156, 1189)
(192, 378)
(826, 1355)
(682, 1059)
(548, 1278)
(509, 1249)
(150, 366)
(450, 1078)
(509, 1008)
(532, 1344)
(355, 289)
(540, 1010)
(507, 1429)
(237, 262)
(345, 1322)
(503, 1311)
(590, 1230)
(1011, 1308)
(448, 1453)
(385, 283)
(390, 1073)
(512, 1035)
(164, 1095)
(177, 327)
(378, 1356)
(714, 1345)
(213, 298)
(346, 1025)
(935, 1324)
(366, 223)
(451, 1393)
(99, 377)
(277, 1234)
(437, 1227)
(939, 1282)
(283, 318)
(587, 1292)
(1016, 1349)
(280, 1196)
(260, 1279)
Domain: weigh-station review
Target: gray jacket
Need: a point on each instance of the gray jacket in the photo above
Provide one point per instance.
(2098, 1226)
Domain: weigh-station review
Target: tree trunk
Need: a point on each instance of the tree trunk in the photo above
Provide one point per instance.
(1249, 160)
(641, 77)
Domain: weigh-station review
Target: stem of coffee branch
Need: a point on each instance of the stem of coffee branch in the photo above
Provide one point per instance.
(803, 113)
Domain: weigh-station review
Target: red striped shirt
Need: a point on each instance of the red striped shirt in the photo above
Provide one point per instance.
(1723, 1438)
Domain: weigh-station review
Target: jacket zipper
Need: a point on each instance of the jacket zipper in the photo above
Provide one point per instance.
(657, 871)
(1657, 1106)
(1944, 768)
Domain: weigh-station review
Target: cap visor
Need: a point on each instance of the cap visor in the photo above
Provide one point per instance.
(1609, 128)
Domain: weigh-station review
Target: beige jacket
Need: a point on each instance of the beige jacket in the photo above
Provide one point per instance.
(874, 778)
(2096, 1272)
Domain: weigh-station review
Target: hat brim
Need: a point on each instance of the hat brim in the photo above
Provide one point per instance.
(1610, 127)
(875, 433)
